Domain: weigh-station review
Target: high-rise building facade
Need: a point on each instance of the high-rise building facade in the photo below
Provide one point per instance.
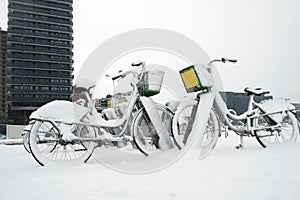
(40, 51)
(3, 94)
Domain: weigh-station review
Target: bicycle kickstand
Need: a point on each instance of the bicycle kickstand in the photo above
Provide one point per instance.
(241, 145)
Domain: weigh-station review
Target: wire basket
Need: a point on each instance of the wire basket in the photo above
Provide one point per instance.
(191, 80)
(152, 82)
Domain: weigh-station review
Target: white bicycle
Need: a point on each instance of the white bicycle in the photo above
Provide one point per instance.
(184, 118)
(271, 122)
(66, 131)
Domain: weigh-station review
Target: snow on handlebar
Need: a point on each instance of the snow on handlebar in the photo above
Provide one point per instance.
(228, 60)
(116, 77)
(224, 60)
(138, 63)
(135, 64)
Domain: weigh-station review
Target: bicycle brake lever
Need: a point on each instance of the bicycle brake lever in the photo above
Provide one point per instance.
(228, 60)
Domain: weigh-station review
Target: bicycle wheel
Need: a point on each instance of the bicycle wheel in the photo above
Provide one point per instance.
(211, 134)
(287, 132)
(183, 122)
(144, 134)
(25, 137)
(47, 146)
(26, 141)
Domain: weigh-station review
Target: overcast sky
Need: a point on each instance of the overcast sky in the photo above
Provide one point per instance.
(262, 34)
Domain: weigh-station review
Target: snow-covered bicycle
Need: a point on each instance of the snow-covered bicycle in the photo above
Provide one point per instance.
(185, 116)
(66, 131)
(271, 122)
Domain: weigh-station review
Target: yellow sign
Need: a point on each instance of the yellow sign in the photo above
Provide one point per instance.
(109, 103)
(122, 100)
(190, 79)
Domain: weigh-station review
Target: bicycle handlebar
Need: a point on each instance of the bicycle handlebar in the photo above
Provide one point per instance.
(224, 60)
(135, 64)
(228, 60)
(122, 75)
(116, 77)
(138, 63)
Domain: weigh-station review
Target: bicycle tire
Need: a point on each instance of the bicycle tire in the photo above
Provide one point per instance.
(286, 133)
(182, 125)
(47, 147)
(26, 141)
(181, 121)
(144, 134)
(211, 134)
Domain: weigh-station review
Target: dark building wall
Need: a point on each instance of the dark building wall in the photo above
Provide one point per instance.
(3, 94)
(297, 106)
(40, 51)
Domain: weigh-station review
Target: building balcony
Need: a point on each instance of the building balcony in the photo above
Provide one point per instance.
(39, 74)
(48, 12)
(39, 26)
(28, 82)
(46, 35)
(40, 66)
(36, 99)
(26, 91)
(62, 1)
(43, 19)
(41, 50)
(39, 42)
(45, 4)
(40, 58)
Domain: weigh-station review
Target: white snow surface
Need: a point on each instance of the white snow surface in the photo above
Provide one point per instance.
(228, 173)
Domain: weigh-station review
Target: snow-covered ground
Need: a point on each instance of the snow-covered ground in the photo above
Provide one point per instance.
(252, 173)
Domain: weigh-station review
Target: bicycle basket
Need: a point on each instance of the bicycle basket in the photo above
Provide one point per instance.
(152, 82)
(191, 79)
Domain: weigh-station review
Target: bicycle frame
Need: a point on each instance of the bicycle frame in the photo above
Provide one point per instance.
(251, 114)
(255, 111)
(201, 109)
(260, 120)
(95, 120)
(77, 114)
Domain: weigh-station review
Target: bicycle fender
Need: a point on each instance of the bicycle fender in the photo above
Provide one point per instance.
(165, 141)
(276, 106)
(60, 110)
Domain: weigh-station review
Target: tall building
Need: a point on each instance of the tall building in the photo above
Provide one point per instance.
(3, 104)
(40, 52)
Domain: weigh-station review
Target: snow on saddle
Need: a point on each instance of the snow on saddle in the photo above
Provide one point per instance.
(256, 91)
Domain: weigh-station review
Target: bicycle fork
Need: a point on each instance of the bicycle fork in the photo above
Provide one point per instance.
(165, 141)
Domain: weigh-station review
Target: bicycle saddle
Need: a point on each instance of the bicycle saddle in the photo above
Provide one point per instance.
(83, 84)
(255, 91)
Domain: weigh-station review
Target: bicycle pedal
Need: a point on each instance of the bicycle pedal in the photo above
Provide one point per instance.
(127, 138)
(239, 146)
(80, 149)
